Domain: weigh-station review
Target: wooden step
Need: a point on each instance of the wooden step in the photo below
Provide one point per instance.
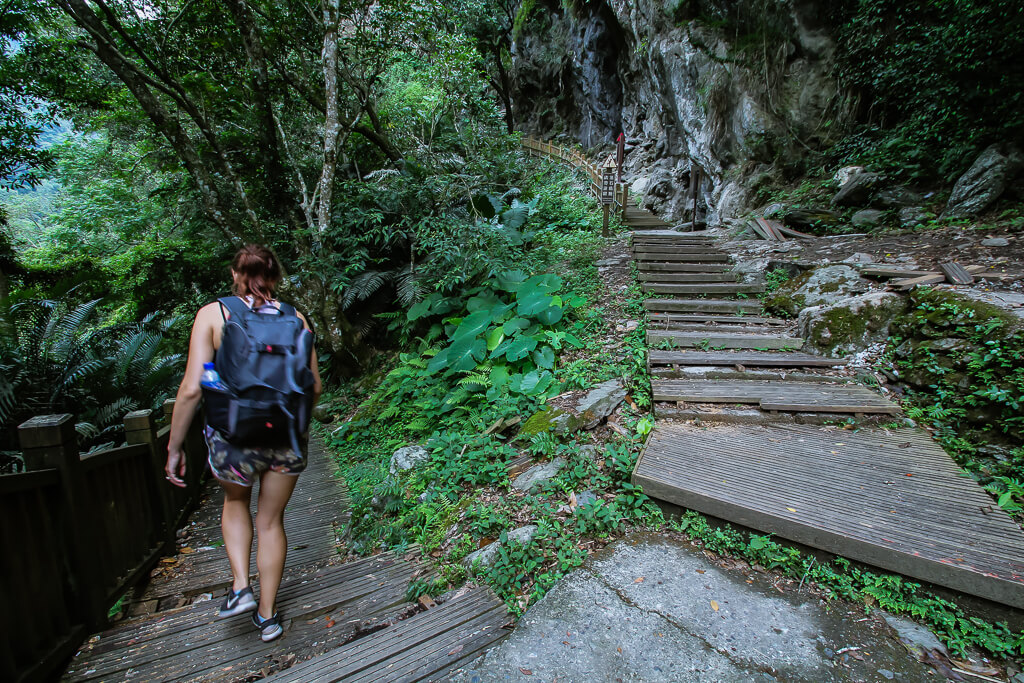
(427, 645)
(660, 276)
(711, 288)
(776, 395)
(683, 267)
(725, 306)
(715, 328)
(746, 358)
(704, 257)
(674, 249)
(724, 340)
(670, 233)
(751, 321)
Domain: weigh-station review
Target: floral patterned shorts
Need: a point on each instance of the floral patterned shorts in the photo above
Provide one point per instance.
(244, 465)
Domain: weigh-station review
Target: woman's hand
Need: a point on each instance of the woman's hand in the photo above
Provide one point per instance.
(175, 467)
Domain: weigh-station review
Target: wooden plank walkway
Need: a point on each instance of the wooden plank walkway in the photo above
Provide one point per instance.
(179, 637)
(752, 322)
(687, 257)
(702, 288)
(892, 499)
(677, 267)
(727, 306)
(751, 358)
(776, 395)
(664, 276)
(723, 340)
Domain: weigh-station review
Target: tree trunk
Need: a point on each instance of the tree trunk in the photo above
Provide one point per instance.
(332, 122)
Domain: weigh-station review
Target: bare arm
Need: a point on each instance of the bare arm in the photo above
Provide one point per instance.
(314, 365)
(200, 351)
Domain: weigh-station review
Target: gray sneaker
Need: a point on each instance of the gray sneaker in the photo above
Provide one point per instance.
(270, 629)
(236, 603)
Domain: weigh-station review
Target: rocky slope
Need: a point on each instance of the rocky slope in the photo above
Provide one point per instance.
(738, 91)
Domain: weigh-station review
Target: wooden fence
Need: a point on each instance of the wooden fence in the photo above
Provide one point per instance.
(575, 159)
(77, 531)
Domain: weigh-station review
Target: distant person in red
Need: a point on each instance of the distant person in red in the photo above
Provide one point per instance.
(255, 273)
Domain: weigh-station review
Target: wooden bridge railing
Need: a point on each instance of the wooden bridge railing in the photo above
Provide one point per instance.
(76, 531)
(575, 159)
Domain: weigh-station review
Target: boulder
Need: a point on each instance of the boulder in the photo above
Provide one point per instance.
(896, 197)
(585, 498)
(809, 219)
(867, 219)
(995, 242)
(408, 458)
(844, 174)
(858, 190)
(821, 286)
(322, 413)
(913, 216)
(599, 403)
(984, 181)
(488, 555)
(538, 475)
(774, 210)
(859, 257)
(850, 324)
(548, 419)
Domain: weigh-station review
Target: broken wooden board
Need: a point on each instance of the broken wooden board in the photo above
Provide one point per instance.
(712, 340)
(889, 498)
(956, 273)
(746, 358)
(776, 395)
(763, 231)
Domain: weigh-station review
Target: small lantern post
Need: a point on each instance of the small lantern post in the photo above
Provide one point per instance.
(607, 191)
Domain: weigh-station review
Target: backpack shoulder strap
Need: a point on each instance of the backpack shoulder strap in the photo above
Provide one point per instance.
(234, 305)
(288, 309)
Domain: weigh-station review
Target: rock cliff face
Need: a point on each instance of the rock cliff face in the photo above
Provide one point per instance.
(738, 91)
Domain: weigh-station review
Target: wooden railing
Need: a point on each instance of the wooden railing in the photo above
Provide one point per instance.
(575, 159)
(76, 531)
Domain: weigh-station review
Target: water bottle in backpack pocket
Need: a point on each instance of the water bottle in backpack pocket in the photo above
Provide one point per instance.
(264, 398)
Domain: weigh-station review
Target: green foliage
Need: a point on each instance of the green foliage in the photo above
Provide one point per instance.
(942, 79)
(963, 358)
(841, 579)
(60, 356)
(775, 279)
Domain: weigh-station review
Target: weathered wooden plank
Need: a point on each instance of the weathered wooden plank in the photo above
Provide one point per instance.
(703, 288)
(723, 341)
(753, 359)
(776, 395)
(703, 305)
(846, 493)
(752, 321)
(686, 277)
(956, 273)
(681, 267)
(662, 257)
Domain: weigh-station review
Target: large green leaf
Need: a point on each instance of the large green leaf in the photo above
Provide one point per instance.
(494, 338)
(499, 376)
(472, 325)
(485, 300)
(550, 315)
(422, 309)
(544, 357)
(465, 353)
(533, 303)
(515, 217)
(520, 348)
(510, 281)
(548, 283)
(515, 325)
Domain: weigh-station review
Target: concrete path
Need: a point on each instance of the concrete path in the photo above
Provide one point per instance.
(644, 609)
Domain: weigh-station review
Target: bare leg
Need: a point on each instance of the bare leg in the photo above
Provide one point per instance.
(272, 544)
(236, 526)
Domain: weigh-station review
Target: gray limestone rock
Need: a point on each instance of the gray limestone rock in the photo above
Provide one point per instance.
(850, 324)
(859, 257)
(822, 286)
(867, 219)
(913, 216)
(407, 458)
(600, 403)
(896, 197)
(858, 190)
(487, 555)
(913, 635)
(995, 242)
(586, 498)
(984, 181)
(537, 475)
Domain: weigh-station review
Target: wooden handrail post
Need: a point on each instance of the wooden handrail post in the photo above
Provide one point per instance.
(50, 442)
(140, 428)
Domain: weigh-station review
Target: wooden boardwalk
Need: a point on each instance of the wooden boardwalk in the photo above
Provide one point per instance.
(892, 499)
(325, 603)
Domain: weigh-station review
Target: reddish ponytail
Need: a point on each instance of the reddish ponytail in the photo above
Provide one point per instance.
(258, 273)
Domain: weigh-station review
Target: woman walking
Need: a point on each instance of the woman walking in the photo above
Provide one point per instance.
(255, 273)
